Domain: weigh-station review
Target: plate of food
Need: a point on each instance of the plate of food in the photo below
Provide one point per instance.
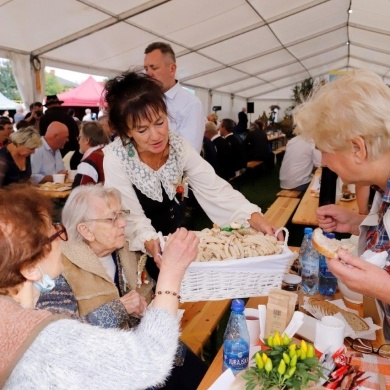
(348, 196)
(54, 187)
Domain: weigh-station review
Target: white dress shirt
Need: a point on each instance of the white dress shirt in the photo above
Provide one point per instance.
(45, 162)
(186, 115)
(298, 163)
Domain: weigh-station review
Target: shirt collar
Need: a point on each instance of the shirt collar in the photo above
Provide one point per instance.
(386, 193)
(170, 94)
(46, 145)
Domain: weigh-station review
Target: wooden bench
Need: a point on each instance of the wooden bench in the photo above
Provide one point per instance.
(199, 321)
(281, 210)
(278, 151)
(253, 164)
(289, 193)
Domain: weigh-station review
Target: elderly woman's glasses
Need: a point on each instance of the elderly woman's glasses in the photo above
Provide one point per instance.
(365, 346)
(122, 214)
(60, 232)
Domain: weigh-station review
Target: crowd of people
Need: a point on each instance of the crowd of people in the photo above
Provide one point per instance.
(85, 286)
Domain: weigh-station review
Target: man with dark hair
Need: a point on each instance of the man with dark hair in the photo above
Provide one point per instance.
(7, 129)
(186, 113)
(225, 168)
(33, 117)
(238, 151)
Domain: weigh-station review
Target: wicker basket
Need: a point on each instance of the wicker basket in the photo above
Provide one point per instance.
(239, 278)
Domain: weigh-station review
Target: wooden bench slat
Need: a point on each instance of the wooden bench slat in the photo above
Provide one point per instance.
(253, 164)
(199, 321)
(289, 193)
(281, 210)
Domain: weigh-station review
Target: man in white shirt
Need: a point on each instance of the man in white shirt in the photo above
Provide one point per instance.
(47, 160)
(185, 110)
(300, 160)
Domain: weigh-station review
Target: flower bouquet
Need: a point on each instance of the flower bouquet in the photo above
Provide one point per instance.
(284, 365)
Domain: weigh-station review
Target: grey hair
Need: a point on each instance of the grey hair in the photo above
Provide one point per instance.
(26, 136)
(80, 206)
(355, 105)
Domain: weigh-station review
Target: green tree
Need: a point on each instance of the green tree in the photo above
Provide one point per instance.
(7, 81)
(53, 86)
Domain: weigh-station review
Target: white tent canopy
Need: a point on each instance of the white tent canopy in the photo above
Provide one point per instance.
(7, 104)
(246, 49)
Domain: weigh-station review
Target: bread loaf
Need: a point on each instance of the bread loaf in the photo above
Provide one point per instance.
(329, 309)
(327, 246)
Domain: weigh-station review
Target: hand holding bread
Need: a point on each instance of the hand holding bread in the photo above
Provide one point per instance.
(328, 247)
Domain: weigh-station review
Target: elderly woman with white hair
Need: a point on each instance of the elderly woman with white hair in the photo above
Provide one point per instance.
(15, 163)
(349, 121)
(39, 350)
(99, 282)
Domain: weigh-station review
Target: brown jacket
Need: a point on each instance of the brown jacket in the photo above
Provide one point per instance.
(88, 279)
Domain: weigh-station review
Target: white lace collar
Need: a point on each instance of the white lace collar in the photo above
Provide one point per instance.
(147, 180)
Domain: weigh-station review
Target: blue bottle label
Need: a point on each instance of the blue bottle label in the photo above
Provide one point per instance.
(236, 361)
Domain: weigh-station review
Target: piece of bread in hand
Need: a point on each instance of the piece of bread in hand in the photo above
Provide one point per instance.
(328, 246)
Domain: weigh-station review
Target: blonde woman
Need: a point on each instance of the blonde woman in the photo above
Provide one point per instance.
(15, 164)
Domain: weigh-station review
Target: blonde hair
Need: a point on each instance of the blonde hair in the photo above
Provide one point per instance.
(355, 105)
(211, 127)
(27, 136)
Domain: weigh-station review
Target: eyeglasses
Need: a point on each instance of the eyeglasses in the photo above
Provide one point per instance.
(60, 232)
(122, 214)
(365, 346)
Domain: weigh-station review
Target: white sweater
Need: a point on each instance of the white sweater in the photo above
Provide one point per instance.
(71, 355)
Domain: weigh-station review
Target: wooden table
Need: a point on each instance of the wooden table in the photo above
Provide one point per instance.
(274, 140)
(199, 321)
(57, 194)
(215, 369)
(306, 211)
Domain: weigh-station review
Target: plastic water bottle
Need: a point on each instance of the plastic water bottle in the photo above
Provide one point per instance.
(236, 340)
(302, 249)
(328, 282)
(310, 269)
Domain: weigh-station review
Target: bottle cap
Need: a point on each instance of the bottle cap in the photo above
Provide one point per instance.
(308, 230)
(238, 305)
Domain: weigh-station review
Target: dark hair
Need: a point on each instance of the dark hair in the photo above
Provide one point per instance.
(165, 48)
(5, 121)
(95, 133)
(22, 123)
(131, 97)
(71, 111)
(259, 124)
(37, 104)
(228, 124)
(24, 229)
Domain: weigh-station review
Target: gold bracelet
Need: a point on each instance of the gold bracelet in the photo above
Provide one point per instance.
(175, 294)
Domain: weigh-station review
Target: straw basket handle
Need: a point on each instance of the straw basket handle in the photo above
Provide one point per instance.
(286, 234)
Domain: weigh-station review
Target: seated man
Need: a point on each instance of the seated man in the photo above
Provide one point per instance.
(47, 160)
(225, 167)
(299, 162)
(238, 151)
(257, 145)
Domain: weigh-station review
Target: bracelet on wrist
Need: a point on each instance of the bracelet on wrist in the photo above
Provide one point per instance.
(173, 293)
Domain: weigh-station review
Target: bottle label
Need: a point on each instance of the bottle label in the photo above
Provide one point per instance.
(236, 361)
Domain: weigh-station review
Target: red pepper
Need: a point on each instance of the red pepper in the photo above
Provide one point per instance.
(338, 374)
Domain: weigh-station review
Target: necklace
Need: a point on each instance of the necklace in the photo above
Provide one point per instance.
(154, 166)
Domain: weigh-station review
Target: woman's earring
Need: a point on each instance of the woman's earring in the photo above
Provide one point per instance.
(130, 149)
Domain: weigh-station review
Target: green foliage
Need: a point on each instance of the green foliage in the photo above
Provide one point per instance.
(7, 81)
(285, 372)
(53, 86)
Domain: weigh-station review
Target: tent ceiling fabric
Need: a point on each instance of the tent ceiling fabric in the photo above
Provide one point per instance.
(249, 48)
